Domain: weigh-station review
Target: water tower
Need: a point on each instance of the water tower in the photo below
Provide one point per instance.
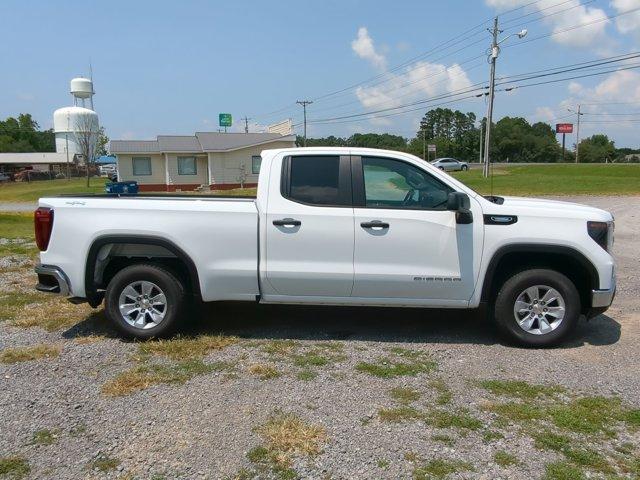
(74, 124)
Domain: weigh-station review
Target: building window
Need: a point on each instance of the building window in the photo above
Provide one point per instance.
(187, 166)
(256, 161)
(141, 165)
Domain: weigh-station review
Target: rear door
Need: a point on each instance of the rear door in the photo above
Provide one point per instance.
(309, 229)
(408, 247)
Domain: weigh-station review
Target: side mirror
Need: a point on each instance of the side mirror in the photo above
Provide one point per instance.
(459, 202)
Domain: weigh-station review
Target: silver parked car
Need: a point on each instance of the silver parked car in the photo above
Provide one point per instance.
(450, 164)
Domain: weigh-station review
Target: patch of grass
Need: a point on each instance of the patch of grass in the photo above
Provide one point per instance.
(43, 437)
(632, 417)
(491, 435)
(103, 464)
(144, 376)
(444, 395)
(386, 368)
(444, 439)
(440, 468)
(561, 179)
(289, 434)
(516, 412)
(518, 389)
(267, 460)
(51, 313)
(16, 225)
(280, 347)
(404, 394)
(306, 375)
(504, 459)
(399, 414)
(89, 339)
(26, 354)
(578, 455)
(562, 471)
(32, 191)
(457, 420)
(182, 348)
(14, 467)
(382, 463)
(263, 371)
(12, 303)
(310, 359)
(587, 415)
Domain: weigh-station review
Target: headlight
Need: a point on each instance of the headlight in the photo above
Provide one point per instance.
(602, 233)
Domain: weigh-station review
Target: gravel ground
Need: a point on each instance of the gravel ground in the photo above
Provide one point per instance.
(205, 427)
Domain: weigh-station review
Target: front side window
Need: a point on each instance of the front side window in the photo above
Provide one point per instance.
(187, 166)
(141, 165)
(256, 161)
(316, 180)
(396, 184)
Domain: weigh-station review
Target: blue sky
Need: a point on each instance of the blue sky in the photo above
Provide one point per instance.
(165, 67)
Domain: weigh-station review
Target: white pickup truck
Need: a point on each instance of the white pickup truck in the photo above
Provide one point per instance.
(332, 226)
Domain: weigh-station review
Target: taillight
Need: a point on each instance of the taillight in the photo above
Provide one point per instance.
(599, 231)
(43, 224)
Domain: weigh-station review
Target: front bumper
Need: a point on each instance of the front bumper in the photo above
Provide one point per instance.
(602, 298)
(52, 279)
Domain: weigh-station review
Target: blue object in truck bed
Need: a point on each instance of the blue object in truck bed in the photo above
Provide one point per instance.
(121, 187)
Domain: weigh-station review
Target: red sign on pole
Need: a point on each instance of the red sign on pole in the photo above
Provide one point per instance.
(564, 127)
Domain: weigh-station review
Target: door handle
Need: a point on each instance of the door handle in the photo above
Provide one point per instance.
(287, 222)
(375, 224)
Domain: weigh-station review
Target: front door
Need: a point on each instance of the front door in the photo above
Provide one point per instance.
(408, 247)
(309, 228)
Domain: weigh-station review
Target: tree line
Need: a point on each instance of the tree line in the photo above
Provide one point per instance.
(513, 139)
(23, 134)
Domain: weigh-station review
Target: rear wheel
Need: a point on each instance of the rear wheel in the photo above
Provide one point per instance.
(145, 301)
(537, 307)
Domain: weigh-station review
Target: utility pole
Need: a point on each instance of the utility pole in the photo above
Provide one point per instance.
(481, 132)
(492, 84)
(578, 134)
(495, 51)
(424, 146)
(304, 104)
(246, 124)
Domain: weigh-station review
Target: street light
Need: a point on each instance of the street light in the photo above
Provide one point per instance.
(495, 51)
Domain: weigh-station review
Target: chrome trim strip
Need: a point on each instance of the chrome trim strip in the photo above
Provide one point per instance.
(602, 298)
(59, 275)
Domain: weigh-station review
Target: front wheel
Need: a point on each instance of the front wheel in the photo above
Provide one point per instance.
(464, 168)
(145, 301)
(537, 308)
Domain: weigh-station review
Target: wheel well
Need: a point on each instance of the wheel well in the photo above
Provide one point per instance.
(108, 256)
(571, 264)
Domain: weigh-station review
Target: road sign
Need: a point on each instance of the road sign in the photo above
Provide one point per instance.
(564, 127)
(431, 148)
(224, 119)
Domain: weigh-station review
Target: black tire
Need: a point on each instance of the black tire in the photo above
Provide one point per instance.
(464, 168)
(441, 168)
(510, 291)
(168, 283)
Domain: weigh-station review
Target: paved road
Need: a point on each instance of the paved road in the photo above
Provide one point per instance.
(17, 206)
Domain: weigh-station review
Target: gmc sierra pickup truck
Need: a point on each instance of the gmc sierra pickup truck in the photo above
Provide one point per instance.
(332, 226)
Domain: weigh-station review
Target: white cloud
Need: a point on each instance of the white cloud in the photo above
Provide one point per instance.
(545, 114)
(629, 23)
(422, 79)
(565, 15)
(363, 47)
(621, 86)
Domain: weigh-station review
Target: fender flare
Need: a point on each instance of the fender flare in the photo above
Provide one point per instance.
(563, 250)
(90, 290)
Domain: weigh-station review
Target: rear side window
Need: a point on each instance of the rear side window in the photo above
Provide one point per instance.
(317, 180)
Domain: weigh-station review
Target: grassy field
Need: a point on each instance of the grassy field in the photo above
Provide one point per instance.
(31, 191)
(568, 179)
